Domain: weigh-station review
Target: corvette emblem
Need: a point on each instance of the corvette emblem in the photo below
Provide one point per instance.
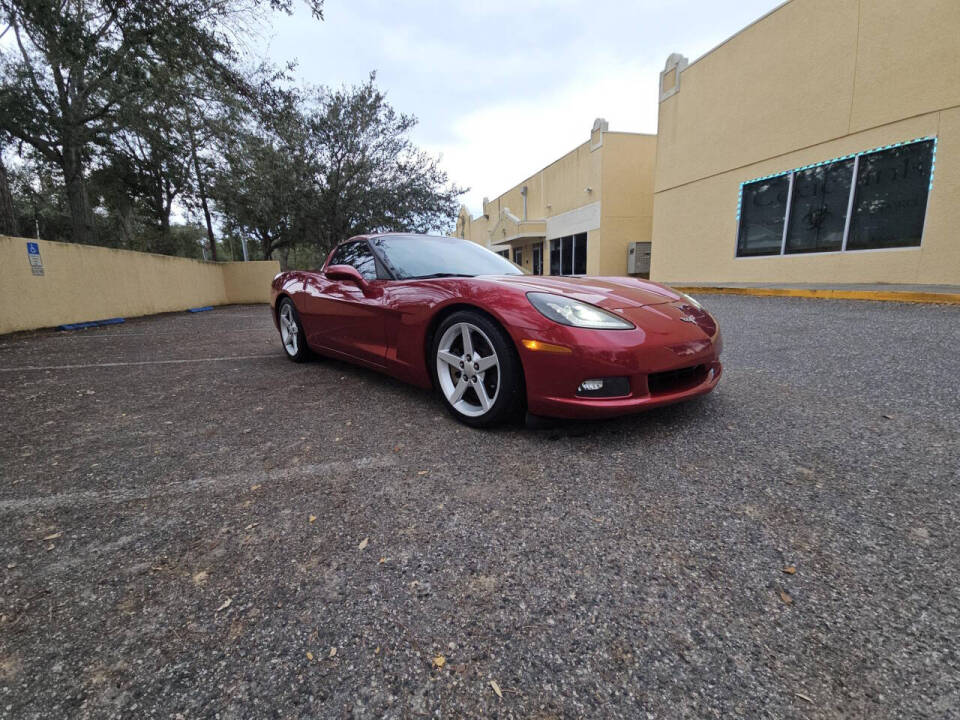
(688, 318)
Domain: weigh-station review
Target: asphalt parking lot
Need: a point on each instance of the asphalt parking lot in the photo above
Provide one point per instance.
(192, 526)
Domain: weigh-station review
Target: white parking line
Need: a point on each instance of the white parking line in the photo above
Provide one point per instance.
(331, 469)
(99, 336)
(143, 362)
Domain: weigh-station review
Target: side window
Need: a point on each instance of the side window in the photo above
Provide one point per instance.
(358, 255)
(338, 256)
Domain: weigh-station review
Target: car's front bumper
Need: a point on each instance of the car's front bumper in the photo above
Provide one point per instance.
(639, 399)
(664, 360)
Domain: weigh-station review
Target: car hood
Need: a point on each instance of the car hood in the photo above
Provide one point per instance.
(610, 293)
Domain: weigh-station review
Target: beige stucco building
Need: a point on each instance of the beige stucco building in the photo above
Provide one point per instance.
(577, 215)
(821, 144)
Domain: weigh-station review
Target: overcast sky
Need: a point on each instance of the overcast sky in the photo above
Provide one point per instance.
(502, 89)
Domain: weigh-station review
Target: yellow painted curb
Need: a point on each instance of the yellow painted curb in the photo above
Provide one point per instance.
(910, 296)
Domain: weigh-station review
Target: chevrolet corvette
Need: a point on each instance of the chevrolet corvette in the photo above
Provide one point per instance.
(492, 340)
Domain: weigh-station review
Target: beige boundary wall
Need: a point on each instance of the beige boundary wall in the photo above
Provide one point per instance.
(84, 282)
(811, 81)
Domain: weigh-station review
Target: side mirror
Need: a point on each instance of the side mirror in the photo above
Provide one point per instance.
(347, 273)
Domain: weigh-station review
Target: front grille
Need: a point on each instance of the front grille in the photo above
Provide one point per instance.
(672, 381)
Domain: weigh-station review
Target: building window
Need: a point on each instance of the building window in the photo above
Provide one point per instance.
(868, 201)
(762, 211)
(518, 256)
(504, 254)
(891, 197)
(537, 257)
(818, 213)
(568, 255)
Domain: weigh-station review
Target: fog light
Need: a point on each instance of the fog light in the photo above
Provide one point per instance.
(604, 387)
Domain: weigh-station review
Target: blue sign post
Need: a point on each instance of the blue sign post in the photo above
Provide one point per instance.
(33, 254)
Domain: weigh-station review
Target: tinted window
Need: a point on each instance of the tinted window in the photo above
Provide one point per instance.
(413, 256)
(359, 256)
(568, 255)
(580, 254)
(818, 210)
(763, 209)
(890, 199)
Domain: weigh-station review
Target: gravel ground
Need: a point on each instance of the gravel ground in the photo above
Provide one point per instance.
(253, 538)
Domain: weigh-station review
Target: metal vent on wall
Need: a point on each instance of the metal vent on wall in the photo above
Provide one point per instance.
(638, 258)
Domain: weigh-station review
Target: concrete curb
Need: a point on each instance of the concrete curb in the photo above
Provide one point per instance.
(829, 294)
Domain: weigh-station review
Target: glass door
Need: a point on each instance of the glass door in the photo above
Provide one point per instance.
(537, 258)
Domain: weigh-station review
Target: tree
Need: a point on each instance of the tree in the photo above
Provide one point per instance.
(371, 177)
(265, 188)
(145, 167)
(77, 62)
(39, 203)
(315, 170)
(8, 220)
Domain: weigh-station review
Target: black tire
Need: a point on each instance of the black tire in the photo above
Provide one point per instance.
(287, 313)
(509, 397)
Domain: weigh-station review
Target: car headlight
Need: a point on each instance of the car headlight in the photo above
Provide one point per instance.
(690, 300)
(568, 311)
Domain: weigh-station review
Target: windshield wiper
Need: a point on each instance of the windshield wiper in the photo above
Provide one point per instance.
(438, 275)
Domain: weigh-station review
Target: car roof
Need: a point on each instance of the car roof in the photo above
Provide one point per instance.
(370, 236)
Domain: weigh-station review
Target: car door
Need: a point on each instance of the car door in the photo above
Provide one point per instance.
(345, 317)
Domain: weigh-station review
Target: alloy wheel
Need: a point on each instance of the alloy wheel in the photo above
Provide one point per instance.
(289, 330)
(468, 369)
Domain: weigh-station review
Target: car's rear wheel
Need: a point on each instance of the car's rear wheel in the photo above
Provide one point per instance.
(291, 332)
(477, 370)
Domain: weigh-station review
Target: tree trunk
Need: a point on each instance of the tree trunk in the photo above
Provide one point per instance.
(206, 216)
(8, 220)
(166, 207)
(165, 243)
(81, 218)
(202, 189)
(125, 221)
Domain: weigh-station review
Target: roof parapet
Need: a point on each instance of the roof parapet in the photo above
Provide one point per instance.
(670, 76)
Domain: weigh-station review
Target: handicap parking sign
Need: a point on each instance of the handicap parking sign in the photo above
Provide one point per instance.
(33, 254)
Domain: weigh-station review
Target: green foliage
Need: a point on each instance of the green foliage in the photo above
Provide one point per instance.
(86, 85)
(121, 121)
(370, 175)
(327, 166)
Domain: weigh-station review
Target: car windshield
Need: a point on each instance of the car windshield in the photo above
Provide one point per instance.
(412, 256)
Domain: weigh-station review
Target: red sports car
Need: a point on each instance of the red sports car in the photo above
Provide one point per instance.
(447, 313)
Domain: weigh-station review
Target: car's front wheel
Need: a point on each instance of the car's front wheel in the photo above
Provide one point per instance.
(291, 332)
(477, 370)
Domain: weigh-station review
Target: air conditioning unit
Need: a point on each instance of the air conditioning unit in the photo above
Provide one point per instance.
(638, 258)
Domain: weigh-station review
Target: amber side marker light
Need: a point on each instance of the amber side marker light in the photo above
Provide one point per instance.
(545, 347)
